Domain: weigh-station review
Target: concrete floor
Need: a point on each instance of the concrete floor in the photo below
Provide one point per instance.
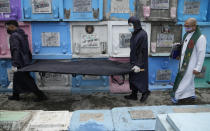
(63, 100)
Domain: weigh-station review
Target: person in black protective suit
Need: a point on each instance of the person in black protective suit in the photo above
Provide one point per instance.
(138, 79)
(20, 57)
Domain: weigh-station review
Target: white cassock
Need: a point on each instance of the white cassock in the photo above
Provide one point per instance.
(187, 87)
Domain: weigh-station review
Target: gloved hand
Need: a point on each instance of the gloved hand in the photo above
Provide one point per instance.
(14, 69)
(136, 69)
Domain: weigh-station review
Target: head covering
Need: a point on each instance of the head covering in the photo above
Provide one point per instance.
(136, 22)
(12, 22)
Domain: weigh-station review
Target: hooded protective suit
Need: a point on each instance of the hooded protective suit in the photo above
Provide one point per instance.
(21, 57)
(19, 48)
(138, 57)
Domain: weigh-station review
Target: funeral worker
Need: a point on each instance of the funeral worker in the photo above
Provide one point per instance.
(138, 79)
(20, 57)
(191, 61)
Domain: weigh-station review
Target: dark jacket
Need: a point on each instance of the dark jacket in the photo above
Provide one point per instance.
(139, 56)
(19, 48)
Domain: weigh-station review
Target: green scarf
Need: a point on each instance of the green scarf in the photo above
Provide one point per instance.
(190, 46)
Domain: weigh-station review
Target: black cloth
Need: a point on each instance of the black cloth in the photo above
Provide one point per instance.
(19, 48)
(138, 57)
(99, 67)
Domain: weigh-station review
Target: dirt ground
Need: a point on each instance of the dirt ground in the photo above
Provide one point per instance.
(63, 100)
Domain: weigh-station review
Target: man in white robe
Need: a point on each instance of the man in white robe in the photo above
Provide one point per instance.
(185, 87)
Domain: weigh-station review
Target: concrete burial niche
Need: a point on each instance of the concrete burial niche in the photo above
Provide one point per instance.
(51, 40)
(6, 75)
(163, 36)
(162, 72)
(137, 118)
(156, 10)
(189, 121)
(14, 120)
(89, 39)
(119, 9)
(88, 84)
(83, 10)
(10, 10)
(50, 121)
(53, 81)
(192, 8)
(41, 10)
(119, 38)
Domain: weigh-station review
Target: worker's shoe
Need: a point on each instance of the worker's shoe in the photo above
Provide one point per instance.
(144, 96)
(132, 96)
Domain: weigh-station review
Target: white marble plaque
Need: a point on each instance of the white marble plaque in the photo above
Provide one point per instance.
(89, 41)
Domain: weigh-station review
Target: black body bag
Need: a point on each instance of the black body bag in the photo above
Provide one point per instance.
(81, 67)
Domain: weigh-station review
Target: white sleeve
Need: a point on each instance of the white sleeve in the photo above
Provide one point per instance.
(201, 50)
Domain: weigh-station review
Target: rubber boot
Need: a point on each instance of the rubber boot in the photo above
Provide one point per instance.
(132, 96)
(144, 96)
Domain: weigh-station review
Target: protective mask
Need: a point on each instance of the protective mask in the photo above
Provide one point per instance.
(131, 28)
(188, 29)
(10, 31)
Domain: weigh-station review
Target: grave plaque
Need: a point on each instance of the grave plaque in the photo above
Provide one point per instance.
(163, 75)
(191, 7)
(141, 114)
(5, 6)
(159, 4)
(41, 6)
(50, 39)
(95, 116)
(165, 40)
(124, 40)
(82, 5)
(90, 77)
(90, 41)
(120, 6)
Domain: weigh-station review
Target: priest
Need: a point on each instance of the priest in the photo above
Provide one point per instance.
(191, 61)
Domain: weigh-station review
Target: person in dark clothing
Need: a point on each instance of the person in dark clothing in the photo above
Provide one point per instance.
(138, 79)
(20, 57)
